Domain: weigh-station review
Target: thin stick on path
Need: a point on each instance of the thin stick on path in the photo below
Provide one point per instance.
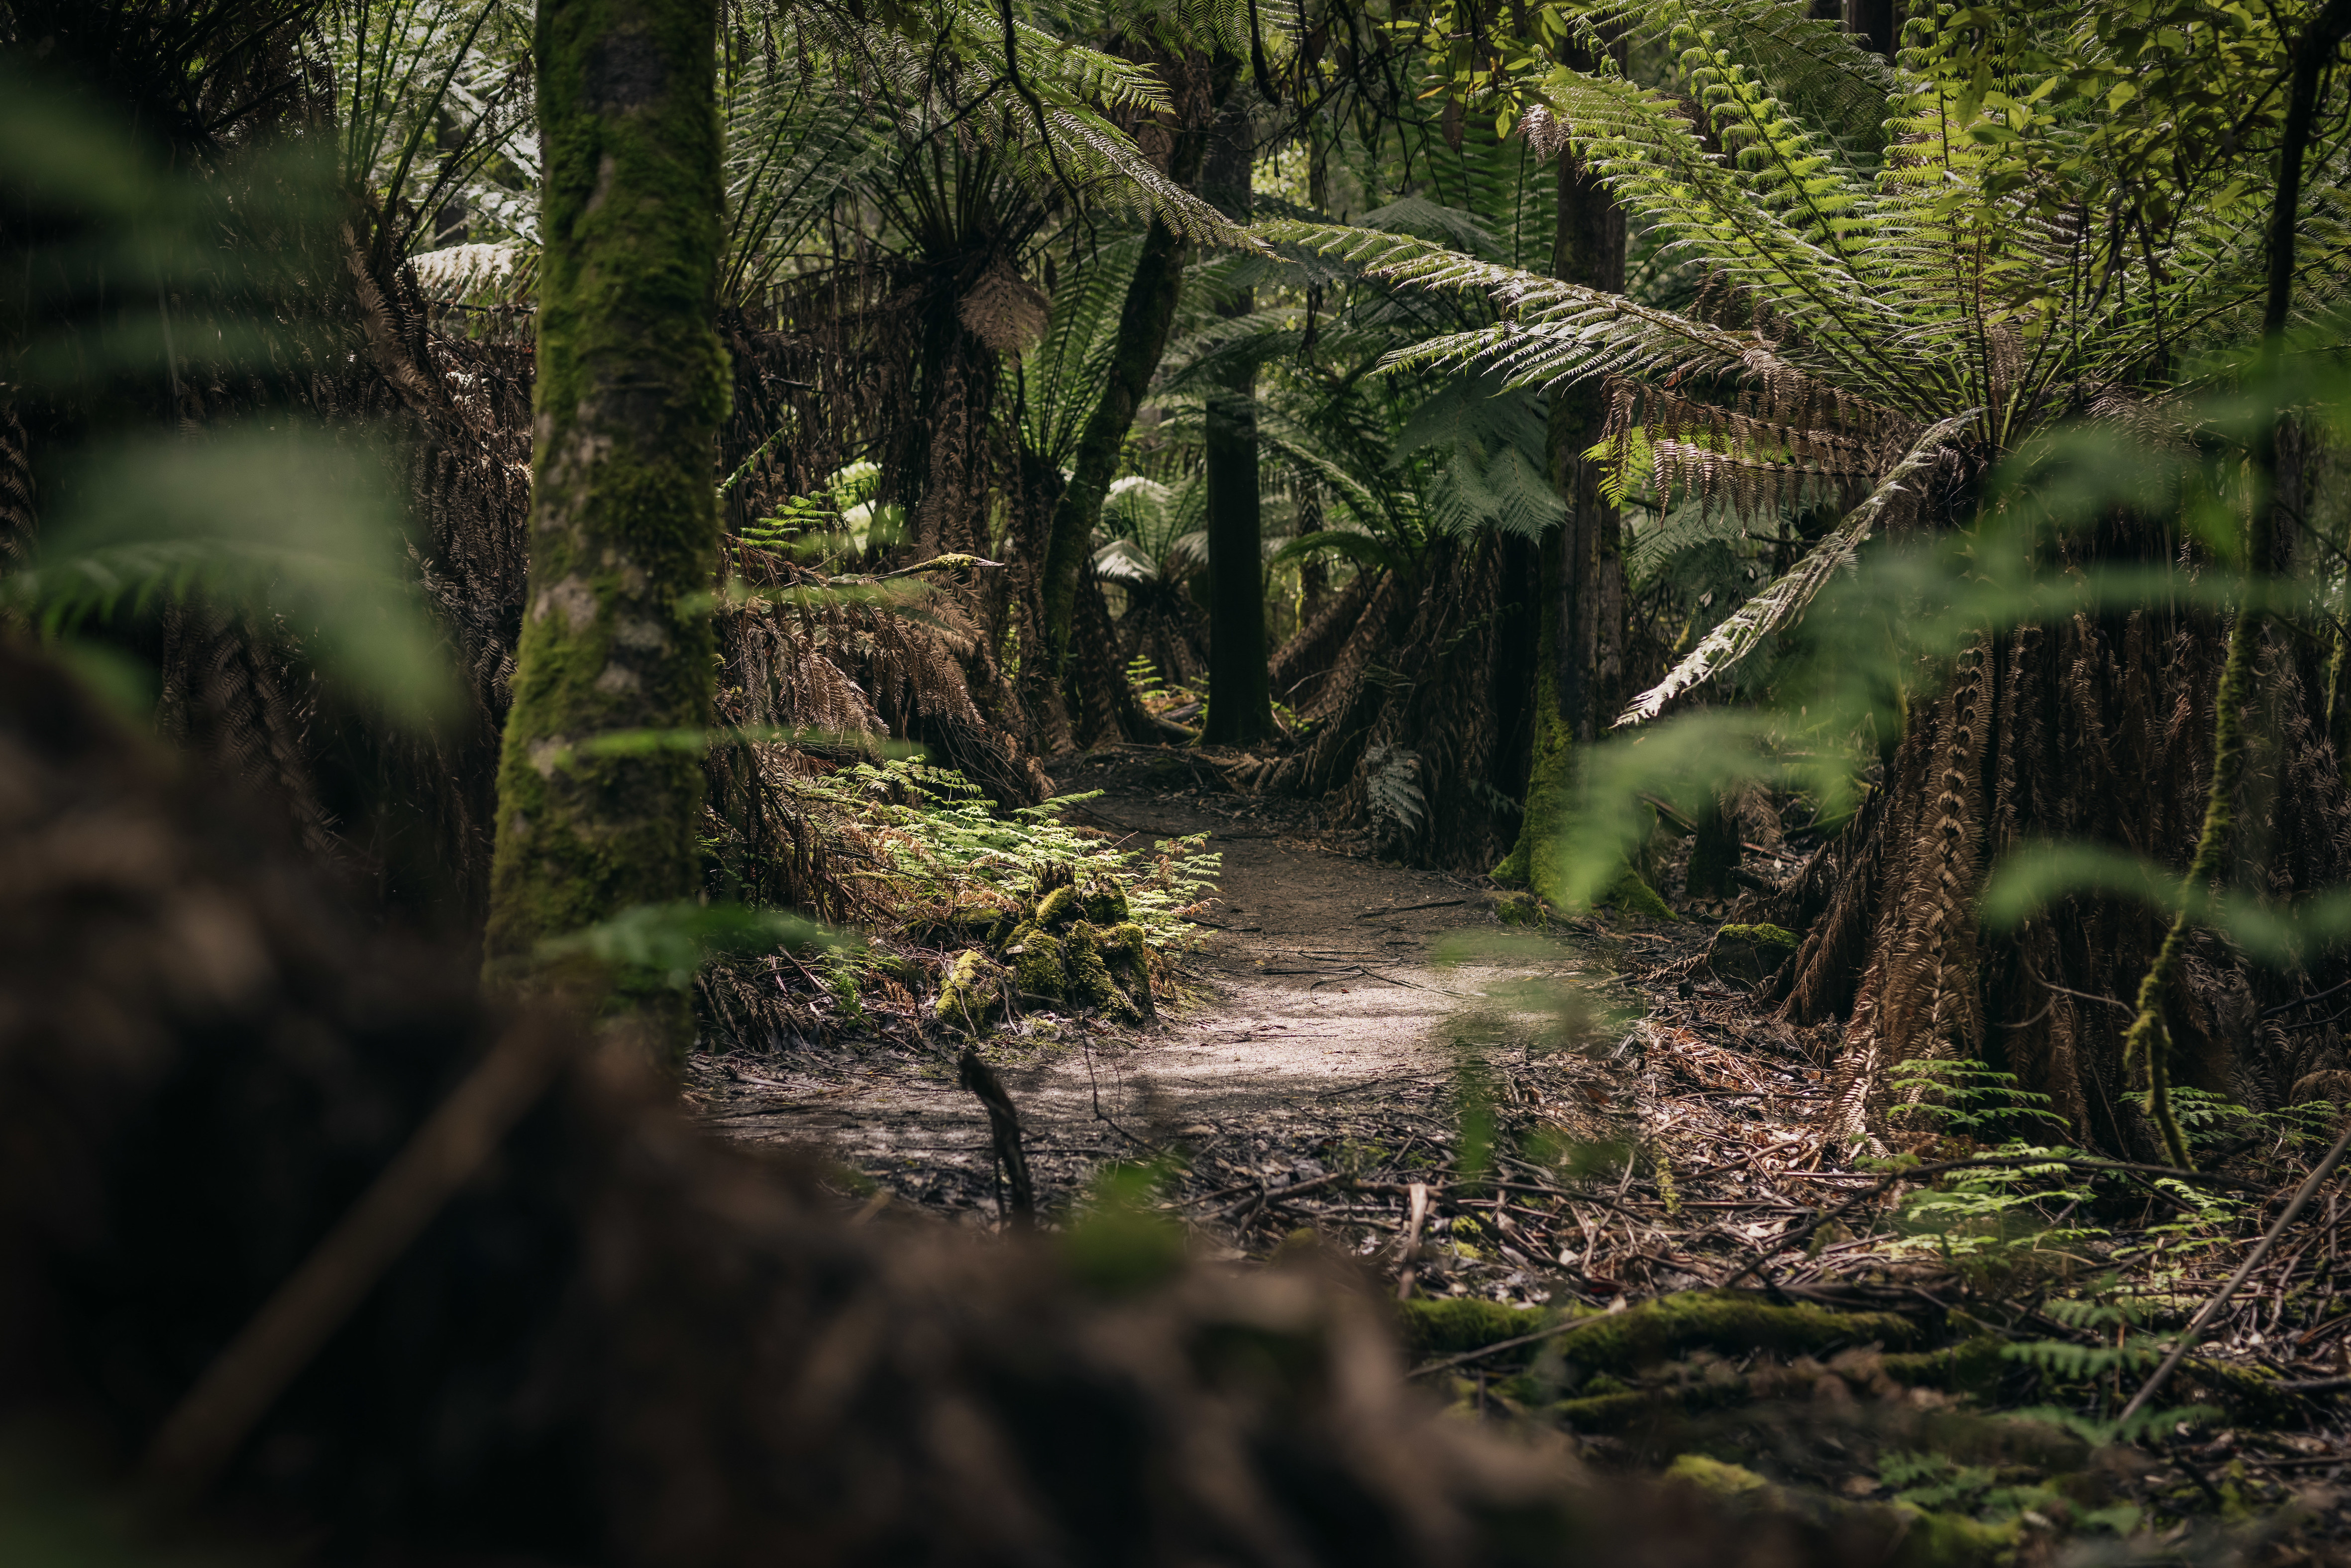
(1410, 1243)
(1004, 1123)
(2210, 1309)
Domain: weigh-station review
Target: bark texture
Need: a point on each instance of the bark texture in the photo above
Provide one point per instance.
(631, 388)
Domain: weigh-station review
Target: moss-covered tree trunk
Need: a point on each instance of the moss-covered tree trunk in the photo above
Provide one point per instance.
(1580, 660)
(632, 387)
(1144, 319)
(1241, 704)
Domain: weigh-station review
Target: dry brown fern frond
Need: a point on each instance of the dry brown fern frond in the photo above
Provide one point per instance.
(1004, 311)
(1303, 666)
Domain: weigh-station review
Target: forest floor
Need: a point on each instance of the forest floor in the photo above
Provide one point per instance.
(1526, 1133)
(1322, 999)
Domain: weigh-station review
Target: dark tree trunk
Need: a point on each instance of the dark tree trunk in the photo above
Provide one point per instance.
(631, 388)
(1239, 702)
(1144, 321)
(1877, 23)
(1579, 657)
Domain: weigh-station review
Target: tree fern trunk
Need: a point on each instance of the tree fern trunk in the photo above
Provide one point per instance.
(1144, 320)
(623, 531)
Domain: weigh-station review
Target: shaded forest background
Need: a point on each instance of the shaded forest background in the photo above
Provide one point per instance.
(1387, 403)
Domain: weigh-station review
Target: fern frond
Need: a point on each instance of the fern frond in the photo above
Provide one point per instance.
(1815, 64)
(1769, 221)
(1783, 601)
(1556, 332)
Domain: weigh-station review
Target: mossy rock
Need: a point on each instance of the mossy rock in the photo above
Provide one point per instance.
(1039, 963)
(969, 994)
(1107, 906)
(1089, 981)
(1057, 909)
(1748, 954)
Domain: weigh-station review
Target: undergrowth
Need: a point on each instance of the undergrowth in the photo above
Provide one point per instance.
(931, 865)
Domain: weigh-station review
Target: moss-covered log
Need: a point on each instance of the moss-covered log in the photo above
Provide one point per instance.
(1721, 1320)
(631, 386)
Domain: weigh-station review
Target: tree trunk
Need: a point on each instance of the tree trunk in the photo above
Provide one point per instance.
(1144, 320)
(630, 391)
(1240, 705)
(1580, 658)
(1877, 23)
(2152, 733)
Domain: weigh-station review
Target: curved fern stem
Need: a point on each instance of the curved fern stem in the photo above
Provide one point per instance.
(2148, 1038)
(2313, 52)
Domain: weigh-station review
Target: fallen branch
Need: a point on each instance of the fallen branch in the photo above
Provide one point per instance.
(2219, 1299)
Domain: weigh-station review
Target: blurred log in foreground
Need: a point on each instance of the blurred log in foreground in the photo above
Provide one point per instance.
(619, 1344)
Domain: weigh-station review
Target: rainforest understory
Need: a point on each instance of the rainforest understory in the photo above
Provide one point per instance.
(1368, 781)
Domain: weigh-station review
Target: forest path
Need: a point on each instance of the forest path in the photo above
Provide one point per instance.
(1318, 990)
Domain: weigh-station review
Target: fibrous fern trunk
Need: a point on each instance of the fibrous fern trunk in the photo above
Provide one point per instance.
(2148, 1044)
(632, 388)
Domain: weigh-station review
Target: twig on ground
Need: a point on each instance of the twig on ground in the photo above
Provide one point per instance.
(2205, 1313)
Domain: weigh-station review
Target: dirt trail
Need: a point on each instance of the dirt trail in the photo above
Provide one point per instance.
(1319, 985)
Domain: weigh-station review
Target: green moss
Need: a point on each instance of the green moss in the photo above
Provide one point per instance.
(1532, 862)
(1518, 908)
(1106, 904)
(1056, 908)
(1039, 963)
(1537, 861)
(1765, 936)
(1449, 1326)
(1965, 1367)
(1727, 1480)
(1632, 896)
(1090, 979)
(1128, 954)
(1653, 1330)
(1747, 955)
(1912, 1537)
(968, 995)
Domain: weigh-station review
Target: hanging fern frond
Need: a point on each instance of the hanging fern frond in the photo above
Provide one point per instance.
(1815, 64)
(1555, 332)
(1783, 601)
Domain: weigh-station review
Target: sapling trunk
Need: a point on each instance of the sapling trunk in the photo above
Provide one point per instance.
(1579, 659)
(1144, 319)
